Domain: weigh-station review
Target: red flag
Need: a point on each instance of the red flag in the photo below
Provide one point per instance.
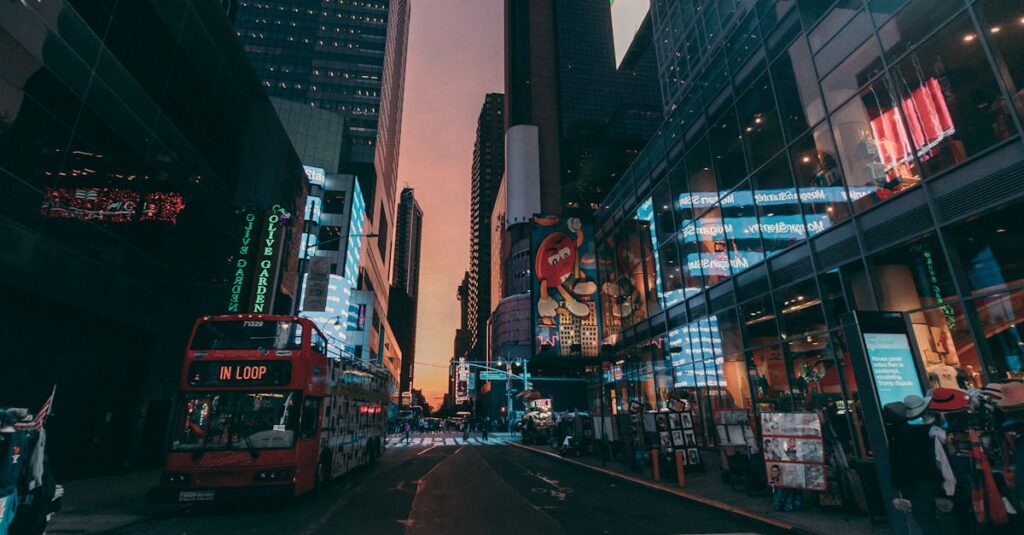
(37, 423)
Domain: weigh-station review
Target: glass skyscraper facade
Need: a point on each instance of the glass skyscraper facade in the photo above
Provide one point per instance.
(818, 158)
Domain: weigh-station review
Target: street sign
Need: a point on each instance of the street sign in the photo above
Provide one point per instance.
(493, 376)
(317, 282)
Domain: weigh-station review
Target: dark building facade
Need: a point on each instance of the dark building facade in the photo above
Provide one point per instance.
(408, 242)
(488, 167)
(129, 156)
(402, 309)
(817, 160)
(462, 334)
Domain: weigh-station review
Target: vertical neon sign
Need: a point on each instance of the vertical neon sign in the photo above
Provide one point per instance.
(245, 248)
(267, 266)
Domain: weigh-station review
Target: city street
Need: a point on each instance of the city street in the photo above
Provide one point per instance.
(437, 484)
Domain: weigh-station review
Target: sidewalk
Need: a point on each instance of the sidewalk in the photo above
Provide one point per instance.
(706, 487)
(105, 503)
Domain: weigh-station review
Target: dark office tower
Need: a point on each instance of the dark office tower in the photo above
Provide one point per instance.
(408, 238)
(559, 76)
(405, 289)
(488, 166)
(462, 332)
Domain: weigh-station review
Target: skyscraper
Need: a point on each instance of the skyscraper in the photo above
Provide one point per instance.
(402, 309)
(408, 238)
(560, 76)
(488, 166)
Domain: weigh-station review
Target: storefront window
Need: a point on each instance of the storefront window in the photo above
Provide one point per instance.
(611, 311)
(672, 282)
(914, 23)
(950, 100)
(943, 337)
(852, 74)
(814, 374)
(690, 258)
(799, 309)
(630, 284)
(769, 379)
(796, 88)
(1006, 34)
(820, 180)
(651, 289)
(989, 249)
(912, 276)
(760, 122)
(778, 209)
(703, 186)
(1002, 322)
(758, 318)
(727, 150)
(868, 133)
(664, 222)
(714, 260)
(743, 234)
(682, 205)
(736, 382)
(845, 418)
(833, 297)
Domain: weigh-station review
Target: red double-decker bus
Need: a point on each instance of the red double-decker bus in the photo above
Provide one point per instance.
(268, 407)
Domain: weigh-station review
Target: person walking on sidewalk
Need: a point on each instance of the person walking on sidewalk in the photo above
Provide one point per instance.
(408, 431)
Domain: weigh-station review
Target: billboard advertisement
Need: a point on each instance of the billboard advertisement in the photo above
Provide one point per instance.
(564, 292)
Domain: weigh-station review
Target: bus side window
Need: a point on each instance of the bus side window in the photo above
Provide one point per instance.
(310, 417)
(318, 343)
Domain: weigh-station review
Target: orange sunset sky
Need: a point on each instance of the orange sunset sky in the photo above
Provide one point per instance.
(455, 58)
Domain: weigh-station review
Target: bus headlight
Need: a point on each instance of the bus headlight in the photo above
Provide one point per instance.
(271, 475)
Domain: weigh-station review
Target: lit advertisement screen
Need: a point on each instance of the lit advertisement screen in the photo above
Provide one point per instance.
(564, 287)
(627, 16)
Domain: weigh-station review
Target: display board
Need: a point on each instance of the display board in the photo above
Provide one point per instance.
(733, 428)
(794, 451)
(676, 433)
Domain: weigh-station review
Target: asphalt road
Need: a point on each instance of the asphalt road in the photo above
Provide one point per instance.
(438, 486)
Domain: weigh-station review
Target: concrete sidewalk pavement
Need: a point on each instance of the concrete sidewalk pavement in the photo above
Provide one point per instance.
(106, 503)
(705, 487)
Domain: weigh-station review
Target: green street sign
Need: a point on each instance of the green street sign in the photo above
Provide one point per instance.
(493, 376)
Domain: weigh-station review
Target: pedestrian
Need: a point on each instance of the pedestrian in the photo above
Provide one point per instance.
(408, 431)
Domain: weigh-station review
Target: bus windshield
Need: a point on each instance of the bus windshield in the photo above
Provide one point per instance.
(236, 420)
(248, 334)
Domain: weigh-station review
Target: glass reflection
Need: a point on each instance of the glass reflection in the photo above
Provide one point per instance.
(873, 146)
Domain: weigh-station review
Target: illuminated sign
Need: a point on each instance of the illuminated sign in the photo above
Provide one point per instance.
(892, 366)
(240, 373)
(564, 292)
(111, 205)
(316, 175)
(775, 197)
(241, 271)
(266, 267)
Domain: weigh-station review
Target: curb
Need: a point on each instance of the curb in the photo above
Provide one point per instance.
(738, 511)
